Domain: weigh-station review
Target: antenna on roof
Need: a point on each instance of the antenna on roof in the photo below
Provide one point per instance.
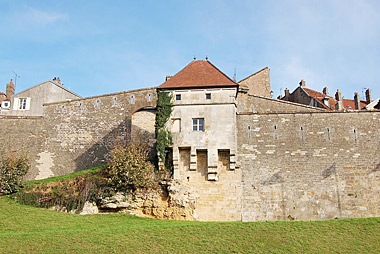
(234, 78)
(16, 76)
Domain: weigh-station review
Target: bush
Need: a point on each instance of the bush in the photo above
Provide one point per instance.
(130, 168)
(69, 194)
(13, 167)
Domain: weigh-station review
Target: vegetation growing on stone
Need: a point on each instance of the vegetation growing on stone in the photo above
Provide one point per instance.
(68, 194)
(13, 167)
(163, 135)
(129, 169)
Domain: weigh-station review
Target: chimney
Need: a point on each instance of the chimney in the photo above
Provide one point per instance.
(287, 95)
(168, 77)
(368, 96)
(3, 97)
(325, 90)
(303, 83)
(58, 81)
(357, 101)
(338, 98)
(10, 89)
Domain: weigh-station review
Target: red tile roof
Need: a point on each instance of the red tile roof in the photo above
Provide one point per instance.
(347, 104)
(320, 96)
(199, 73)
(350, 104)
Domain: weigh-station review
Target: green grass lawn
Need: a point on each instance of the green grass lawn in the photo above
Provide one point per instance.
(25, 229)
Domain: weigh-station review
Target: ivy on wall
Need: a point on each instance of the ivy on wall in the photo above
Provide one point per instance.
(163, 135)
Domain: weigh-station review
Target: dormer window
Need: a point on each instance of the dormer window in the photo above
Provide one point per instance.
(208, 96)
(326, 101)
(177, 97)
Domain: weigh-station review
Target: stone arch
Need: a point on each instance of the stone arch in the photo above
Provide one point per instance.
(142, 125)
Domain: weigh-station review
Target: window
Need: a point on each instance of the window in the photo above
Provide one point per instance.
(208, 96)
(149, 97)
(22, 103)
(177, 97)
(198, 124)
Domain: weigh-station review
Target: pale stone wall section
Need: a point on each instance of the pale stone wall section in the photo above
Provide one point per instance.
(257, 83)
(143, 125)
(44, 165)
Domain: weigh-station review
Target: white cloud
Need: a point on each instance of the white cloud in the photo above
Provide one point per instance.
(38, 18)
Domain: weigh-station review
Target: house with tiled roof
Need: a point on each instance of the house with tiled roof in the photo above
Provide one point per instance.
(307, 96)
(203, 121)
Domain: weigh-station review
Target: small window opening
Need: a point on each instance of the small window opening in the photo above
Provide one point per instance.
(328, 133)
(149, 97)
(275, 127)
(249, 127)
(177, 97)
(208, 96)
(355, 136)
(132, 99)
(302, 134)
(198, 124)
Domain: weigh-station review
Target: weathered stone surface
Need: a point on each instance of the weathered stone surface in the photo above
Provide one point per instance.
(309, 166)
(173, 201)
(89, 208)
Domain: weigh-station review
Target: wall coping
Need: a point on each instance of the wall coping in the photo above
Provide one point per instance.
(286, 102)
(19, 117)
(98, 96)
(311, 112)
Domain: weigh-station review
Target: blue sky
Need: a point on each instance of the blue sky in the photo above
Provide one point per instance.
(99, 47)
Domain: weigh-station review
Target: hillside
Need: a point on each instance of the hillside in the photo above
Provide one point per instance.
(26, 229)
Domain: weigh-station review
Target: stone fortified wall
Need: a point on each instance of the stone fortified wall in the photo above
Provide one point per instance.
(309, 166)
(25, 134)
(78, 134)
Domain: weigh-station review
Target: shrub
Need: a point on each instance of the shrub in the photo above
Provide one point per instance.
(129, 167)
(13, 167)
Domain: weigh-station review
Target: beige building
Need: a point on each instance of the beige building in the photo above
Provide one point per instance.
(30, 102)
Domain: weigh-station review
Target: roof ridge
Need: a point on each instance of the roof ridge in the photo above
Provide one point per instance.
(254, 74)
(221, 72)
(48, 81)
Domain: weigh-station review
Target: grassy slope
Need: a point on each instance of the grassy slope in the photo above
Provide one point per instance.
(27, 229)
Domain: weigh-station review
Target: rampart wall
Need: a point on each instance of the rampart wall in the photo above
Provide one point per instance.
(81, 132)
(23, 134)
(78, 134)
(309, 166)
